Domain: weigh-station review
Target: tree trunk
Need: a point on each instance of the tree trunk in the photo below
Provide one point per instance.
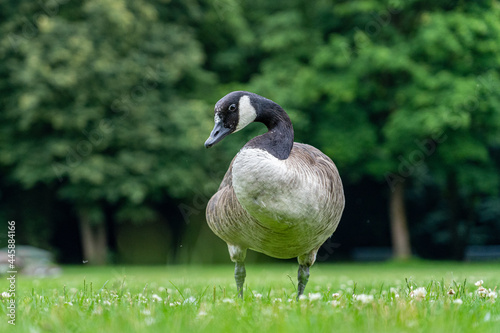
(94, 240)
(401, 248)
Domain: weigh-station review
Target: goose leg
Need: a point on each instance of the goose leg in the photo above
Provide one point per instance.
(302, 277)
(305, 261)
(238, 255)
(239, 275)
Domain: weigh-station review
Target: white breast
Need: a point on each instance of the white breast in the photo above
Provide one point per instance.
(274, 193)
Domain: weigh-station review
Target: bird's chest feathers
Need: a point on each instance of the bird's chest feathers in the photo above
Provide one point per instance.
(269, 189)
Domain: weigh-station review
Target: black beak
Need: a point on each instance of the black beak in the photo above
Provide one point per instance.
(218, 133)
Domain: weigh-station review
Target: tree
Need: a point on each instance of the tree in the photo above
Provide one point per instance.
(106, 105)
(97, 102)
(381, 87)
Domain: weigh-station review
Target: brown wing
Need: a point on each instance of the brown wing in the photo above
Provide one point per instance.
(225, 215)
(305, 157)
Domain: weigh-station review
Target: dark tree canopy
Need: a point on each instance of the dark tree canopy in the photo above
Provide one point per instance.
(105, 105)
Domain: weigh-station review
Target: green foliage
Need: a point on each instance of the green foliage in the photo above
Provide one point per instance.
(106, 104)
(374, 85)
(395, 91)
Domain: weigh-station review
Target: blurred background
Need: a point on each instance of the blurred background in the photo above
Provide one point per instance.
(105, 106)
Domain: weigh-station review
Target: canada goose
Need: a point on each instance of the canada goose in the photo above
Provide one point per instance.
(280, 198)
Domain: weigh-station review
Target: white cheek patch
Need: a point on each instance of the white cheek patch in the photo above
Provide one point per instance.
(247, 113)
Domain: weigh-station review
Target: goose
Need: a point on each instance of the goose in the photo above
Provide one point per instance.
(278, 197)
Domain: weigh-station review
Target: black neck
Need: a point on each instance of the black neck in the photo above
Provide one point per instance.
(278, 141)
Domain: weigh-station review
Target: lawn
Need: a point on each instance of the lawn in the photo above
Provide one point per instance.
(374, 297)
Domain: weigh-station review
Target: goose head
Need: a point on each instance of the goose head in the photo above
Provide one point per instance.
(232, 113)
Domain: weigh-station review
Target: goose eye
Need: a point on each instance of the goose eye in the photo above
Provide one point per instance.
(232, 107)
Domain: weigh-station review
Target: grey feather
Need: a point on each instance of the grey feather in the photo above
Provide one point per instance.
(286, 237)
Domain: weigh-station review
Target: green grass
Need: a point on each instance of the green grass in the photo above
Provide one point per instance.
(202, 299)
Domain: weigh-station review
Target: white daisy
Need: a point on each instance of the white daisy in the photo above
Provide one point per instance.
(314, 296)
(364, 298)
(481, 291)
(418, 293)
(335, 303)
(190, 300)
